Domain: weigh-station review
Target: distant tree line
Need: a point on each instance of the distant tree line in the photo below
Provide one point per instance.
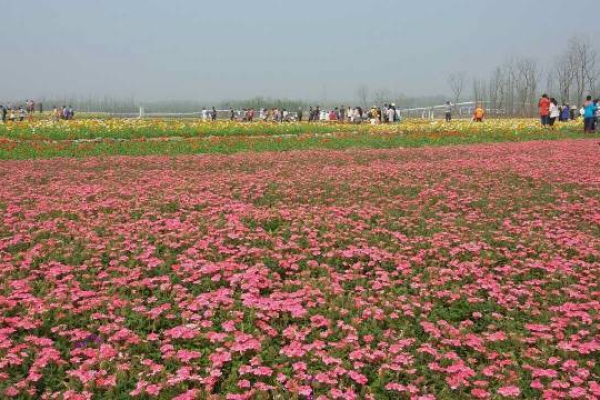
(516, 85)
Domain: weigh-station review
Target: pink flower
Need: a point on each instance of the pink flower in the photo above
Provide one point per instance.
(480, 393)
(189, 395)
(358, 377)
(509, 391)
(187, 355)
(578, 393)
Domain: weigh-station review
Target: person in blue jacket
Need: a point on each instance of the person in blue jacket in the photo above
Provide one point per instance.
(590, 107)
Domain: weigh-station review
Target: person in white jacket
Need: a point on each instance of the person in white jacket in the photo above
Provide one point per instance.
(554, 111)
(391, 115)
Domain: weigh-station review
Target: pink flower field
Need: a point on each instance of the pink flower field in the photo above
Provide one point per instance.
(448, 273)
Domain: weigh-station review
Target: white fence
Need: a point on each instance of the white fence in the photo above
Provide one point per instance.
(459, 111)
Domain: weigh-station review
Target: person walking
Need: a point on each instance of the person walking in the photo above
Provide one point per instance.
(4, 111)
(213, 114)
(544, 109)
(299, 114)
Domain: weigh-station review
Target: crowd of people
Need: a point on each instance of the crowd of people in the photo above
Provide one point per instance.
(63, 113)
(26, 111)
(551, 112)
(18, 113)
(386, 114)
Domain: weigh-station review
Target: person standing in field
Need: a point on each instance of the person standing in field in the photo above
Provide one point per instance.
(597, 116)
(479, 114)
(589, 112)
(374, 116)
(554, 112)
(448, 111)
(213, 114)
(30, 109)
(299, 114)
(391, 115)
(231, 114)
(65, 113)
(4, 111)
(565, 113)
(544, 109)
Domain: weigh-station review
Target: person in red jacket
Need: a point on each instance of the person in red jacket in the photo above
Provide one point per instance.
(544, 106)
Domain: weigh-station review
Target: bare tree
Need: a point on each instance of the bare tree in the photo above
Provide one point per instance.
(362, 93)
(456, 82)
(564, 74)
(497, 88)
(550, 81)
(479, 90)
(382, 96)
(524, 77)
(584, 60)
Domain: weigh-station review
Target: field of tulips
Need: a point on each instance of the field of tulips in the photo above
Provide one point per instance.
(164, 128)
(100, 137)
(435, 273)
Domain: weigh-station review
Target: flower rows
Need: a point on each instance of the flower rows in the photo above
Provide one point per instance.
(462, 272)
(158, 128)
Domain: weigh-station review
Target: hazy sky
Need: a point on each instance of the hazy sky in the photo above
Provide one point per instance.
(193, 49)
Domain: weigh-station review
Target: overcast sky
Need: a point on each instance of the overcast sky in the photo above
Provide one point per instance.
(236, 49)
